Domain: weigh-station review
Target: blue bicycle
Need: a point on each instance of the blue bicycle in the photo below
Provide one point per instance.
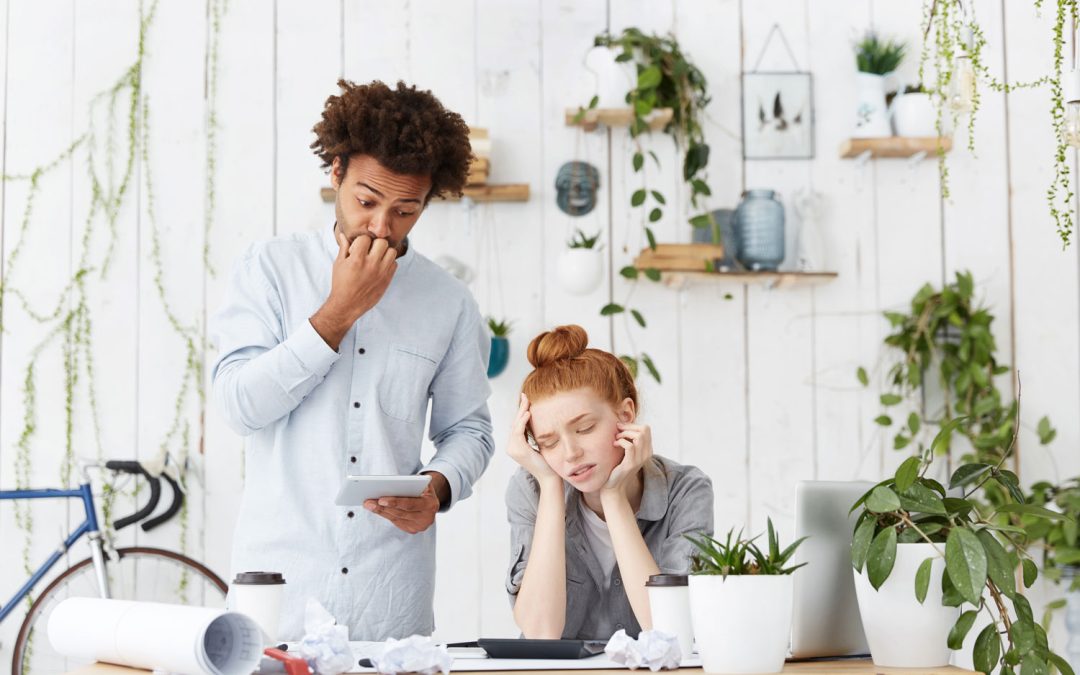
(134, 573)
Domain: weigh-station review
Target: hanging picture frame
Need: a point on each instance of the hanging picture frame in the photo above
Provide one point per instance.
(777, 110)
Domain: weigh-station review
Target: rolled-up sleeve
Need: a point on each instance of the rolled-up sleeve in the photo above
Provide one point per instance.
(262, 372)
(460, 421)
(522, 497)
(690, 511)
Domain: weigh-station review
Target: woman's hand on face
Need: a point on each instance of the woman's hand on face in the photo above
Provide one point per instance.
(521, 452)
(636, 441)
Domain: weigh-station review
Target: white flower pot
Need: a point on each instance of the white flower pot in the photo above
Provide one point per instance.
(742, 624)
(913, 115)
(901, 632)
(580, 270)
(871, 117)
(612, 80)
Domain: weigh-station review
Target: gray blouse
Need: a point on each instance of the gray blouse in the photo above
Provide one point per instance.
(677, 500)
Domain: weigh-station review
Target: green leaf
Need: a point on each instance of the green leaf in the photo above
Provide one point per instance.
(922, 580)
(649, 78)
(921, 499)
(652, 273)
(637, 317)
(890, 399)
(881, 557)
(700, 221)
(630, 272)
(882, 500)
(967, 473)
(638, 198)
(1031, 572)
(652, 367)
(1033, 664)
(883, 420)
(914, 423)
(965, 560)
(639, 161)
(655, 215)
(940, 444)
(864, 379)
(950, 597)
(1032, 510)
(643, 107)
(961, 628)
(655, 159)
(1061, 664)
(631, 365)
(1023, 636)
(1046, 432)
(999, 565)
(860, 543)
(906, 473)
(658, 197)
(593, 102)
(900, 442)
(651, 237)
(611, 308)
(987, 649)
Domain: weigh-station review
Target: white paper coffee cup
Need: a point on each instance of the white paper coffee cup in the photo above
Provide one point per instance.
(669, 603)
(258, 595)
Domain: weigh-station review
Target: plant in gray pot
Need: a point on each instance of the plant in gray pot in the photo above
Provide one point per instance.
(920, 557)
(740, 602)
(1060, 541)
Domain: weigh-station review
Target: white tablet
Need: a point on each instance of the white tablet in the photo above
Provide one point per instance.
(356, 489)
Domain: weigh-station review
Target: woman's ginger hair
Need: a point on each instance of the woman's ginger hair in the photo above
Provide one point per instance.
(562, 362)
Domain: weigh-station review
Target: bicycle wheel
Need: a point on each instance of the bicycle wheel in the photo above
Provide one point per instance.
(136, 573)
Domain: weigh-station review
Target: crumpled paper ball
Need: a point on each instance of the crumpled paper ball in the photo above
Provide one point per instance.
(653, 649)
(414, 654)
(325, 645)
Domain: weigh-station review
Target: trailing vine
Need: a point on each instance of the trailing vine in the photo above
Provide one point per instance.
(957, 34)
(110, 173)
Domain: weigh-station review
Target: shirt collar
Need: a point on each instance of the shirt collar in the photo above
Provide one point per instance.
(332, 248)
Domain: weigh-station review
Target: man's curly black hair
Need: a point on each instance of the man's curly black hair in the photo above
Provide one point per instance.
(405, 130)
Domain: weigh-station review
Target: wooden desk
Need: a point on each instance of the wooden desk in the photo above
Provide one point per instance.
(846, 667)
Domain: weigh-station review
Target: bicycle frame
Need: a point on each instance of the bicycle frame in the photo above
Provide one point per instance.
(88, 527)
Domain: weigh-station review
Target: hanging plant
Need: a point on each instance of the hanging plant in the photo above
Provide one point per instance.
(665, 79)
(955, 49)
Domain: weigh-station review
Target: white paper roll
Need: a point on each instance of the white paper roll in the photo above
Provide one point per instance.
(152, 635)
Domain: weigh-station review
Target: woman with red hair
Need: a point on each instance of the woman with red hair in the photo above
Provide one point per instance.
(593, 512)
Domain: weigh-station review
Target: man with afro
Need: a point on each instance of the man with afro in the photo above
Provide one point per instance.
(330, 346)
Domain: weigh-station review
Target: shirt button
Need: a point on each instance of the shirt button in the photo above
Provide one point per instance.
(618, 626)
(618, 582)
(351, 514)
(360, 351)
(356, 404)
(353, 460)
(344, 570)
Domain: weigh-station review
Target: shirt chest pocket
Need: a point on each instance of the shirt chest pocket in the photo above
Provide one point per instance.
(403, 389)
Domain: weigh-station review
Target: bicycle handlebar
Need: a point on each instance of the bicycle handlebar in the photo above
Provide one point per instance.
(136, 468)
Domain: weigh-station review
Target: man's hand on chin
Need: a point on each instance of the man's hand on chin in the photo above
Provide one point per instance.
(413, 514)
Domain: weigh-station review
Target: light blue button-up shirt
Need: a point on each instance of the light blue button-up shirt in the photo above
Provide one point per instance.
(313, 416)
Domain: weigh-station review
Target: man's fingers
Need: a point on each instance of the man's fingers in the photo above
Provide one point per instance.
(361, 245)
(343, 244)
(410, 504)
(378, 248)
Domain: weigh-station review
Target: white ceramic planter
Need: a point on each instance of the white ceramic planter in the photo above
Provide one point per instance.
(871, 117)
(580, 270)
(742, 624)
(913, 115)
(901, 632)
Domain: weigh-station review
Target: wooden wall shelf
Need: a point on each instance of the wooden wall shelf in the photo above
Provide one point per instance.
(617, 117)
(509, 192)
(766, 279)
(893, 146)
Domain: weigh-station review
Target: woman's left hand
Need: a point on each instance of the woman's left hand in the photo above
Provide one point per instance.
(636, 441)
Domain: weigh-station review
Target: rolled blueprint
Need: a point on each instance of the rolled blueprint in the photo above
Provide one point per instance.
(156, 636)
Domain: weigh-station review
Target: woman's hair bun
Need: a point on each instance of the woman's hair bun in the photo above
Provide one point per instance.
(564, 342)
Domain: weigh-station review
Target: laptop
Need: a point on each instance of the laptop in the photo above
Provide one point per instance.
(825, 620)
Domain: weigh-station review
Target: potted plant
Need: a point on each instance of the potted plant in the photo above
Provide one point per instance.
(580, 267)
(500, 346)
(740, 602)
(913, 113)
(943, 554)
(1060, 541)
(876, 60)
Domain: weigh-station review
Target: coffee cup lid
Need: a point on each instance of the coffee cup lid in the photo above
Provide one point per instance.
(667, 580)
(259, 578)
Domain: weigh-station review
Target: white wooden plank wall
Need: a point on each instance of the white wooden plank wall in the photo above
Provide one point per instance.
(759, 387)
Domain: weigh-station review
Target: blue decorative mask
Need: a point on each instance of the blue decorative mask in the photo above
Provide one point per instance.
(576, 184)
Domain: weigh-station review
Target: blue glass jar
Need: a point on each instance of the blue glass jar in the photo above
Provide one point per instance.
(759, 229)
